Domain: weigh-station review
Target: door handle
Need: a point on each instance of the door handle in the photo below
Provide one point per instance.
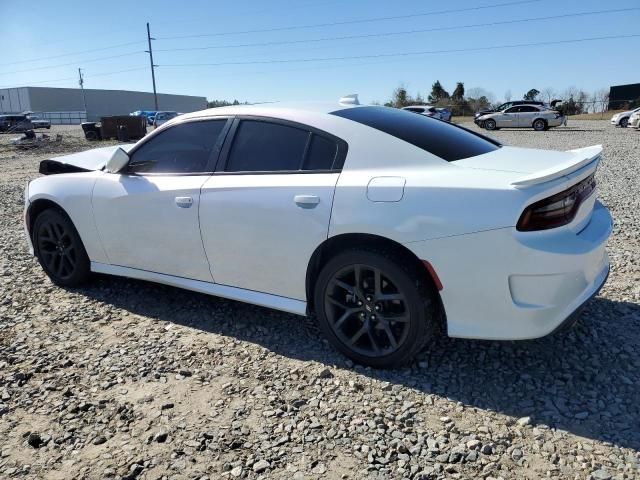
(306, 201)
(184, 202)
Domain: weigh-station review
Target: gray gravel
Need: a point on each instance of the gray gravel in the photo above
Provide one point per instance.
(125, 379)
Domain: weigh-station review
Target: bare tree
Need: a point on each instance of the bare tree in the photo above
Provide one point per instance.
(507, 96)
(602, 99)
(548, 94)
(477, 92)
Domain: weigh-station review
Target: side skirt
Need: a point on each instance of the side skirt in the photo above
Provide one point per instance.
(276, 302)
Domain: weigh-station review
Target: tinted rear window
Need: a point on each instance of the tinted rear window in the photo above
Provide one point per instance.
(442, 139)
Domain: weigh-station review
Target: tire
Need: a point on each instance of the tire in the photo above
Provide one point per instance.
(624, 122)
(91, 135)
(490, 124)
(539, 125)
(59, 249)
(358, 317)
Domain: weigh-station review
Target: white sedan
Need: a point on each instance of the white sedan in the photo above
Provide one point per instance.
(622, 119)
(537, 117)
(429, 111)
(389, 226)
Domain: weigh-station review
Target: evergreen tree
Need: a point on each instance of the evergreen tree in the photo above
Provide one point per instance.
(438, 93)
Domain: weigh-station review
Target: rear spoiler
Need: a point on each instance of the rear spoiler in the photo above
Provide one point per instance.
(581, 158)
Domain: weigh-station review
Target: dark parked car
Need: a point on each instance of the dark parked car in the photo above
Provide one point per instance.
(15, 123)
(39, 122)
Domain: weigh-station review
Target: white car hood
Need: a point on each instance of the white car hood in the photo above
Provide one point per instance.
(94, 159)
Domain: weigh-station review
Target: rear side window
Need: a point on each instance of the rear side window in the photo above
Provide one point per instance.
(442, 139)
(321, 155)
(262, 146)
(528, 109)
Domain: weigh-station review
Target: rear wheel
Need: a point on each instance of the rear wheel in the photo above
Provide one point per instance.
(490, 124)
(59, 249)
(539, 125)
(374, 308)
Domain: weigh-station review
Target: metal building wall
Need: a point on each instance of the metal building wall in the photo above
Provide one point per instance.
(102, 102)
(14, 100)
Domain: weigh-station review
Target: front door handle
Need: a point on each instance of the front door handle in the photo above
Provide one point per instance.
(306, 201)
(184, 202)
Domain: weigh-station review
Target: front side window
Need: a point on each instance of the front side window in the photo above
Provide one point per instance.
(445, 140)
(183, 148)
(262, 146)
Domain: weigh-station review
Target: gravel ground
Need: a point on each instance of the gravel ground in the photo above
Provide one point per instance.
(126, 379)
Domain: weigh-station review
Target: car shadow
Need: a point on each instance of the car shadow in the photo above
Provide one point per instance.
(581, 381)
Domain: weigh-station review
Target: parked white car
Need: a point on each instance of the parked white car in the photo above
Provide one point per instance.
(160, 118)
(430, 111)
(522, 116)
(622, 119)
(634, 120)
(389, 226)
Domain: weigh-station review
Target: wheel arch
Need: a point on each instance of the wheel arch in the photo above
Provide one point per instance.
(39, 205)
(339, 243)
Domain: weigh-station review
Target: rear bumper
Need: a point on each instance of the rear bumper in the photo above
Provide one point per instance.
(509, 285)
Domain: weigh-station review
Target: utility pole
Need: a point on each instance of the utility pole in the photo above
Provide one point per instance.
(84, 97)
(153, 73)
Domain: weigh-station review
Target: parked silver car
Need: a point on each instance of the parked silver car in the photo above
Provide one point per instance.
(622, 119)
(523, 116)
(430, 111)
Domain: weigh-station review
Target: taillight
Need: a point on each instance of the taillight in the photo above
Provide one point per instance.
(557, 210)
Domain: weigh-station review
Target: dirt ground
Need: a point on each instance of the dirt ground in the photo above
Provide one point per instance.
(127, 379)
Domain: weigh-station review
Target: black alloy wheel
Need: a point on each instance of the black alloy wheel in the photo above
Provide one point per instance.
(59, 249)
(373, 309)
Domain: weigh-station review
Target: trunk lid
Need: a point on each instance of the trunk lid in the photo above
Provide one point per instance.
(531, 167)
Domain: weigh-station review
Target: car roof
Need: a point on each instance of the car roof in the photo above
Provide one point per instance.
(273, 108)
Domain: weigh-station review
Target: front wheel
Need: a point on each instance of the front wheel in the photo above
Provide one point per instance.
(375, 308)
(59, 249)
(624, 122)
(490, 124)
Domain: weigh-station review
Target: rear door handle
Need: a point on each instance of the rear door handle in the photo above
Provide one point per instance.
(184, 202)
(306, 201)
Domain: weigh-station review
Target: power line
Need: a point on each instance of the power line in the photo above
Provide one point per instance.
(402, 54)
(99, 59)
(401, 32)
(351, 22)
(70, 54)
(58, 80)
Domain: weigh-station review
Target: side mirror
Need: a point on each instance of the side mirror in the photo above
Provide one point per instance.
(118, 161)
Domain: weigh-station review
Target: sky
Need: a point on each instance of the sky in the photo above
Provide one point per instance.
(284, 50)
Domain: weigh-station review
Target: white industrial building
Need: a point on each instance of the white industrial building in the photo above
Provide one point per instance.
(67, 105)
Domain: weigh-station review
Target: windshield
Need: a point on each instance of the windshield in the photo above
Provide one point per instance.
(445, 140)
